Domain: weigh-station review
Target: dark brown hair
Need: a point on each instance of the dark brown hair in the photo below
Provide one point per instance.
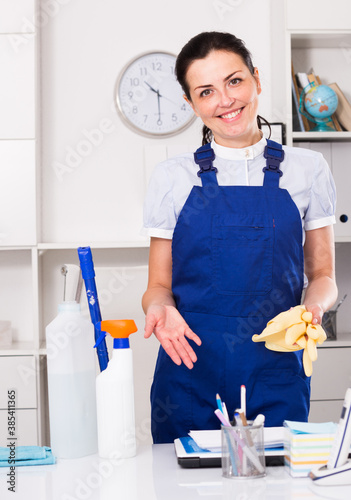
(198, 48)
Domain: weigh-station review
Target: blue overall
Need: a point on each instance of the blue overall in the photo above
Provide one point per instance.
(237, 262)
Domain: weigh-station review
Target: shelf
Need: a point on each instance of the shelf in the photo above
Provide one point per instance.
(321, 136)
(342, 340)
(104, 244)
(17, 247)
(21, 349)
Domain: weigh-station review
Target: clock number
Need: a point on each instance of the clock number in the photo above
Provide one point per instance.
(183, 108)
(145, 118)
(143, 71)
(130, 94)
(159, 122)
(135, 110)
(174, 117)
(134, 82)
(156, 66)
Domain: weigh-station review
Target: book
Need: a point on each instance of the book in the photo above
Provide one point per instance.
(343, 112)
(303, 122)
(298, 125)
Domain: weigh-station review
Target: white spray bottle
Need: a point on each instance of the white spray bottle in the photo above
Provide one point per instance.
(115, 393)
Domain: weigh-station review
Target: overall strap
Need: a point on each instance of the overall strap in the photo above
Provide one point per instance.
(274, 155)
(204, 157)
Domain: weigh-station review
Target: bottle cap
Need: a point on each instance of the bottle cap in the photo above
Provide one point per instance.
(68, 305)
(118, 329)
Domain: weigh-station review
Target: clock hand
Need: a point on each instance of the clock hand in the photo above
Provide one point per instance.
(159, 108)
(151, 88)
(170, 100)
(164, 97)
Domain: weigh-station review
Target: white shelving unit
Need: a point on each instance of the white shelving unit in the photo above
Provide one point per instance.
(323, 42)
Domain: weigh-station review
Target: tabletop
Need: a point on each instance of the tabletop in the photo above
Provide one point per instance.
(154, 475)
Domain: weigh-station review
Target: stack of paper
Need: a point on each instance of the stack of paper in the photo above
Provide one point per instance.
(307, 446)
(211, 440)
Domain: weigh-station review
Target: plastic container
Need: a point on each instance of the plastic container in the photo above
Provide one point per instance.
(329, 324)
(115, 394)
(71, 383)
(243, 452)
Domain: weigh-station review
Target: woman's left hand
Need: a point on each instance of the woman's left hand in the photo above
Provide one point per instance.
(317, 313)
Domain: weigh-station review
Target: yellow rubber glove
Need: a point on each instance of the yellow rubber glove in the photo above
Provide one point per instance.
(292, 331)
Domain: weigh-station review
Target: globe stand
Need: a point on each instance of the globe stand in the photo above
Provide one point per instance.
(320, 109)
(322, 126)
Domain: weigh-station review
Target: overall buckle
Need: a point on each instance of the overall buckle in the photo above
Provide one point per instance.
(274, 156)
(204, 157)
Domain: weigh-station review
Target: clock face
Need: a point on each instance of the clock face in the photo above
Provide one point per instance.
(149, 98)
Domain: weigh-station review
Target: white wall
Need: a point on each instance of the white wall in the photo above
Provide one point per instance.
(84, 47)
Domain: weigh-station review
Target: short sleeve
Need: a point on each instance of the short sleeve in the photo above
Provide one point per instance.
(321, 208)
(159, 216)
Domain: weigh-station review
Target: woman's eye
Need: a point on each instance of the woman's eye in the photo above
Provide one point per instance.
(205, 92)
(235, 81)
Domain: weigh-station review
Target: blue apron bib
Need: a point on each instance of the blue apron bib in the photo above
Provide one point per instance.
(237, 262)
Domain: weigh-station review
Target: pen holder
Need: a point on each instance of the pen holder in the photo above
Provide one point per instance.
(243, 452)
(329, 324)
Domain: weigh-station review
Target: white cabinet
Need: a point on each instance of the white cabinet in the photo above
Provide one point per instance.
(331, 377)
(18, 193)
(341, 164)
(317, 15)
(18, 400)
(17, 16)
(17, 88)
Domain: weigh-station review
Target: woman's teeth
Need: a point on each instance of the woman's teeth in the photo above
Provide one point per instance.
(232, 115)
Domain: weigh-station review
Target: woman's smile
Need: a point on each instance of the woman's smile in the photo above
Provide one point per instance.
(231, 115)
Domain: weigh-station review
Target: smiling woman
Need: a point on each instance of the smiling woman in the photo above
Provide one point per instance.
(229, 245)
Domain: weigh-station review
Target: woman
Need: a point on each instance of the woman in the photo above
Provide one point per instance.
(230, 244)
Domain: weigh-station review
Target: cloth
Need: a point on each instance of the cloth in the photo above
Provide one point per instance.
(306, 176)
(228, 281)
(292, 331)
(26, 455)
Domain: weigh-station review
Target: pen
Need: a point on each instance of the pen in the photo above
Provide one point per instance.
(219, 403)
(259, 420)
(240, 442)
(243, 398)
(225, 411)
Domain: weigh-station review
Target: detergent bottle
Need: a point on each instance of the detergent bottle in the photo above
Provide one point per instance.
(115, 393)
(71, 383)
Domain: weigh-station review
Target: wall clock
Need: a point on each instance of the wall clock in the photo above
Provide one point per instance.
(149, 99)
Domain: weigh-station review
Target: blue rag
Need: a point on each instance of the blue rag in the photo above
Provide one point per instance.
(26, 455)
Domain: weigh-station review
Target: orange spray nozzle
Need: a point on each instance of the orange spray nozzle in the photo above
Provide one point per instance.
(119, 328)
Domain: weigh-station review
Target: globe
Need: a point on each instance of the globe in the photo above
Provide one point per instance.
(320, 102)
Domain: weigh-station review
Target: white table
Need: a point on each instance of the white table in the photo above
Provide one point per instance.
(155, 475)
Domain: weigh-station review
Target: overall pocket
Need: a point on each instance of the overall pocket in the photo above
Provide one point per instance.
(242, 251)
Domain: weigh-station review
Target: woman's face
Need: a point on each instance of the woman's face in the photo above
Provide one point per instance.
(224, 94)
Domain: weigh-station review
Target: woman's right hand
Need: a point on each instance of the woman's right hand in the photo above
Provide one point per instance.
(172, 332)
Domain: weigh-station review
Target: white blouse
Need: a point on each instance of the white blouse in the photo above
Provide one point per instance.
(306, 176)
